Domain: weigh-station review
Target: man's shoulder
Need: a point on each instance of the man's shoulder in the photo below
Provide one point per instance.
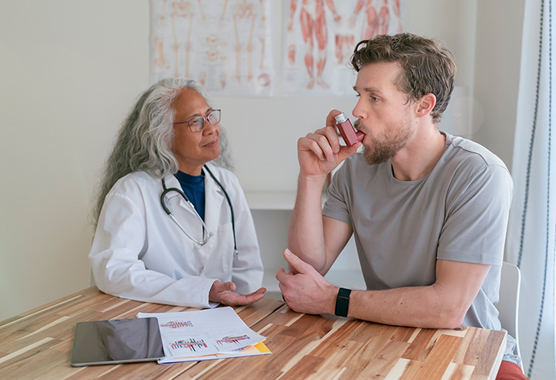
(466, 161)
(471, 152)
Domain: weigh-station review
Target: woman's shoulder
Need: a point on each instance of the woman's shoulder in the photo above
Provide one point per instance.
(228, 180)
(222, 174)
(134, 182)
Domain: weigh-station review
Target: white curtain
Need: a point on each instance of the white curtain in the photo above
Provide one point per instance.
(531, 233)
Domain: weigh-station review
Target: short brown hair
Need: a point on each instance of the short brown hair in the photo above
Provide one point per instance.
(428, 68)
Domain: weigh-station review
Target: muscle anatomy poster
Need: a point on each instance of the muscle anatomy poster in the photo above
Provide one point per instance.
(224, 44)
(319, 38)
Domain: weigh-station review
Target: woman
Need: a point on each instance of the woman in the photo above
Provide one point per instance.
(151, 244)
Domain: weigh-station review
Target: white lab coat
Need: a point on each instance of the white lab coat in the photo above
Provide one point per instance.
(138, 251)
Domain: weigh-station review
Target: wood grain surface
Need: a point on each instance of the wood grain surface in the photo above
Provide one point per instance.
(37, 345)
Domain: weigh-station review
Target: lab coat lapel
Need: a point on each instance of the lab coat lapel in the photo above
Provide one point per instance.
(172, 181)
(214, 197)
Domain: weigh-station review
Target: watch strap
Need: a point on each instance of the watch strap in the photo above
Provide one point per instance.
(342, 302)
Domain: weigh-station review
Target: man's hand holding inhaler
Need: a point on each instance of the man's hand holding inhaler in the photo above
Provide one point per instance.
(319, 153)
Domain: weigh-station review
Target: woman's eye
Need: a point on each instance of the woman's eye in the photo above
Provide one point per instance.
(196, 122)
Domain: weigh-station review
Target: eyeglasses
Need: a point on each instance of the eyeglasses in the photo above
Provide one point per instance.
(198, 123)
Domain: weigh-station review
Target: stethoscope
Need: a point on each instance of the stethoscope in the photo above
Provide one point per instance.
(206, 235)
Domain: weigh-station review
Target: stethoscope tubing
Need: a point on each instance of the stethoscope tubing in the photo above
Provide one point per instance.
(205, 229)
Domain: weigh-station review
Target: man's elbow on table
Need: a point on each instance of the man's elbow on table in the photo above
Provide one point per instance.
(437, 317)
(433, 307)
(451, 317)
(448, 311)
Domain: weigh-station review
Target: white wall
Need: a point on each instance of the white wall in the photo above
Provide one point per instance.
(70, 71)
(497, 65)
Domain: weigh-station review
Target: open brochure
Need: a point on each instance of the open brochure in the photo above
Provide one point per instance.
(206, 334)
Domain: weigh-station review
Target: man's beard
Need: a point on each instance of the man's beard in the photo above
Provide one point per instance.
(382, 150)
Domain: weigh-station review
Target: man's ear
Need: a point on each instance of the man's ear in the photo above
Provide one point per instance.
(425, 105)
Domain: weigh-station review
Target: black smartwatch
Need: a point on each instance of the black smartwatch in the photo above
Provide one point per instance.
(342, 302)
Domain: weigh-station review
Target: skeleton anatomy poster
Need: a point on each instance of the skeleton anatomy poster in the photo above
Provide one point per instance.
(223, 44)
(320, 36)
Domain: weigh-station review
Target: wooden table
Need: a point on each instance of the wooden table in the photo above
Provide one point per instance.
(38, 344)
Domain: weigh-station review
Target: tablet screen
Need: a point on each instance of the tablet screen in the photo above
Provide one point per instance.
(116, 341)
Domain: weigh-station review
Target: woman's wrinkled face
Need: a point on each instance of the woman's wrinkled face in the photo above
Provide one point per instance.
(193, 149)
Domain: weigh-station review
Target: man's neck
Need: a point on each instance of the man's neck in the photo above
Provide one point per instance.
(419, 157)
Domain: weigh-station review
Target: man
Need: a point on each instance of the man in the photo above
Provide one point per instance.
(428, 210)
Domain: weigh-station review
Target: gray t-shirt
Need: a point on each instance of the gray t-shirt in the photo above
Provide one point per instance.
(459, 212)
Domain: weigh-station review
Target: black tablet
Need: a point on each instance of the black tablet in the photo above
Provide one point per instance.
(116, 341)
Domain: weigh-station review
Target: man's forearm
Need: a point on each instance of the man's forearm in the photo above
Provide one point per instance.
(413, 306)
(305, 237)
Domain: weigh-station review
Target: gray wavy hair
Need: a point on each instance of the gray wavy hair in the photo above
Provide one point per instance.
(144, 139)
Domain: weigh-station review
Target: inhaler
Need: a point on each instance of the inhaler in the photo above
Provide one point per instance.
(347, 131)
